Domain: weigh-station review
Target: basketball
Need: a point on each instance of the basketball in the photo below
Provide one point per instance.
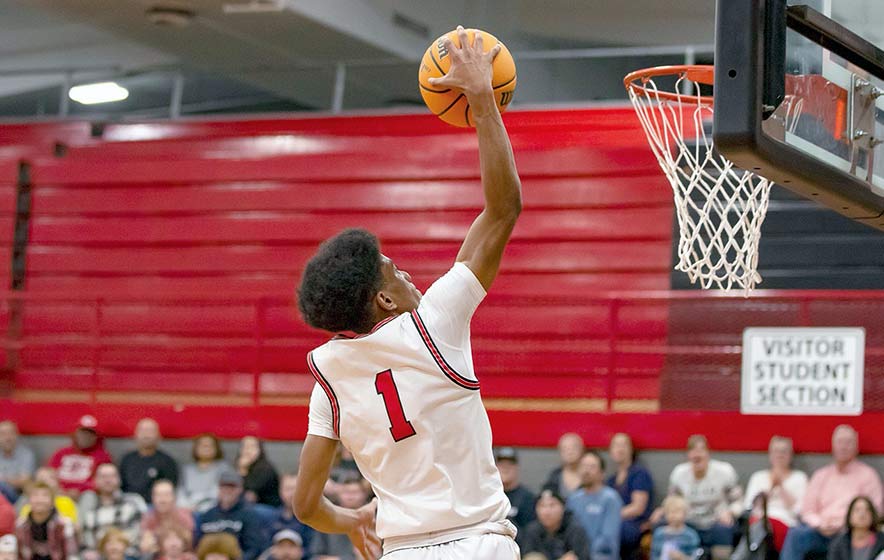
(451, 105)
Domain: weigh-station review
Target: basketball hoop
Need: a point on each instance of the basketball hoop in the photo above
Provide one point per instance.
(720, 208)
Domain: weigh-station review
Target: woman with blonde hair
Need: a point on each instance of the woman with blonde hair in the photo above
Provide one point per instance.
(219, 546)
(113, 544)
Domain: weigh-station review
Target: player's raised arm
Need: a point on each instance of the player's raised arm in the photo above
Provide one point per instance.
(471, 72)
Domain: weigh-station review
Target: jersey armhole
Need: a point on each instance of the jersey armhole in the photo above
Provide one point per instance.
(329, 392)
(450, 373)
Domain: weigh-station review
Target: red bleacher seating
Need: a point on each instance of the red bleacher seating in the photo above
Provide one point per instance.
(163, 257)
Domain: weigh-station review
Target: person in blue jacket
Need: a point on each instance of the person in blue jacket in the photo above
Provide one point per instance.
(597, 508)
(235, 516)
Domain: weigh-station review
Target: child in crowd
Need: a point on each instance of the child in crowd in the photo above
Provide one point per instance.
(675, 540)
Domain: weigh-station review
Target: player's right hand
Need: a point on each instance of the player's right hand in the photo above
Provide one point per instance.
(366, 543)
(470, 69)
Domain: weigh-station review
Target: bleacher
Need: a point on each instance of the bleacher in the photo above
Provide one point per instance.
(161, 260)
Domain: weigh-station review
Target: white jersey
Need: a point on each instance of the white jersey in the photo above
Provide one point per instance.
(404, 399)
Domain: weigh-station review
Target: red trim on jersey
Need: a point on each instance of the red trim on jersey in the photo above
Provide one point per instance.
(373, 329)
(329, 392)
(437, 356)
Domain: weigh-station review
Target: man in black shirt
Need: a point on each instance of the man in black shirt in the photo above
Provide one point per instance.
(140, 468)
(521, 499)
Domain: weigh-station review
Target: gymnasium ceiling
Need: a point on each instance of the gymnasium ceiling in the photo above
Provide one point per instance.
(285, 49)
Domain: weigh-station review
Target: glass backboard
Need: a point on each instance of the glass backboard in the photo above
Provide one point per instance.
(799, 97)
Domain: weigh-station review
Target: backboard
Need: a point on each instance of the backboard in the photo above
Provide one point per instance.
(818, 65)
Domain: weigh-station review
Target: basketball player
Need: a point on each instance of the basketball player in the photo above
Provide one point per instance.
(402, 395)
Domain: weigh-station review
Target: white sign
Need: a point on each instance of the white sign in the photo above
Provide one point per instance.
(816, 370)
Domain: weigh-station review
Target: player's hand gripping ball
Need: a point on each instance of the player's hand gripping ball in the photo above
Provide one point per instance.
(451, 104)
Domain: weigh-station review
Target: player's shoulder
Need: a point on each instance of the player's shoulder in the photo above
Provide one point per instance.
(458, 279)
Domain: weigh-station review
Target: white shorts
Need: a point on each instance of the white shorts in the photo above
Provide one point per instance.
(490, 546)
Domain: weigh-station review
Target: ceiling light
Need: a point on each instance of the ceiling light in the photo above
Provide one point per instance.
(104, 92)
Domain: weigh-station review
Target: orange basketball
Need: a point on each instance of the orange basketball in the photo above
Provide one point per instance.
(451, 105)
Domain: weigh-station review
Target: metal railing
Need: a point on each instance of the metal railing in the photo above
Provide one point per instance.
(696, 336)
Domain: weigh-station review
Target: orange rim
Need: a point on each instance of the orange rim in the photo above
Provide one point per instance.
(700, 73)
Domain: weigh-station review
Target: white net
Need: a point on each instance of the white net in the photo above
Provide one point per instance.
(719, 208)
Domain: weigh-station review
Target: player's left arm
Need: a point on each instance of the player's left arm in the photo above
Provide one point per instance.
(312, 508)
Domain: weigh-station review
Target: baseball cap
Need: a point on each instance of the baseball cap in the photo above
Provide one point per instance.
(88, 422)
(288, 535)
(506, 454)
(229, 478)
(8, 543)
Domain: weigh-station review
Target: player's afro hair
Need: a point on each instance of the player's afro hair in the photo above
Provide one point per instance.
(340, 281)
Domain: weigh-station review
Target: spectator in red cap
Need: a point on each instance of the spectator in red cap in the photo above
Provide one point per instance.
(76, 464)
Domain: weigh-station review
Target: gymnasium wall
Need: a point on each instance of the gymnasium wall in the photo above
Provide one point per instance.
(157, 262)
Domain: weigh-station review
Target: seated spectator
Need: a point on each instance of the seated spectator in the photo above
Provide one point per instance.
(146, 464)
(8, 547)
(345, 466)
(76, 464)
(44, 534)
(108, 506)
(198, 490)
(566, 477)
(713, 494)
(219, 546)
(287, 545)
(521, 499)
(351, 495)
(17, 462)
(175, 543)
(7, 516)
(784, 487)
(285, 517)
(861, 540)
(675, 540)
(164, 512)
(65, 506)
(633, 483)
(828, 495)
(260, 479)
(235, 516)
(554, 534)
(114, 544)
(597, 508)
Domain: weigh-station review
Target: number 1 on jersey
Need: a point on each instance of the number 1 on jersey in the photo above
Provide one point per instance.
(400, 427)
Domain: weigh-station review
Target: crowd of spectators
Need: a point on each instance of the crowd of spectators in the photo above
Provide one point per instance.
(83, 506)
(705, 511)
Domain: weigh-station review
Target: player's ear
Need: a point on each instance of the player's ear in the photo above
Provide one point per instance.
(385, 302)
